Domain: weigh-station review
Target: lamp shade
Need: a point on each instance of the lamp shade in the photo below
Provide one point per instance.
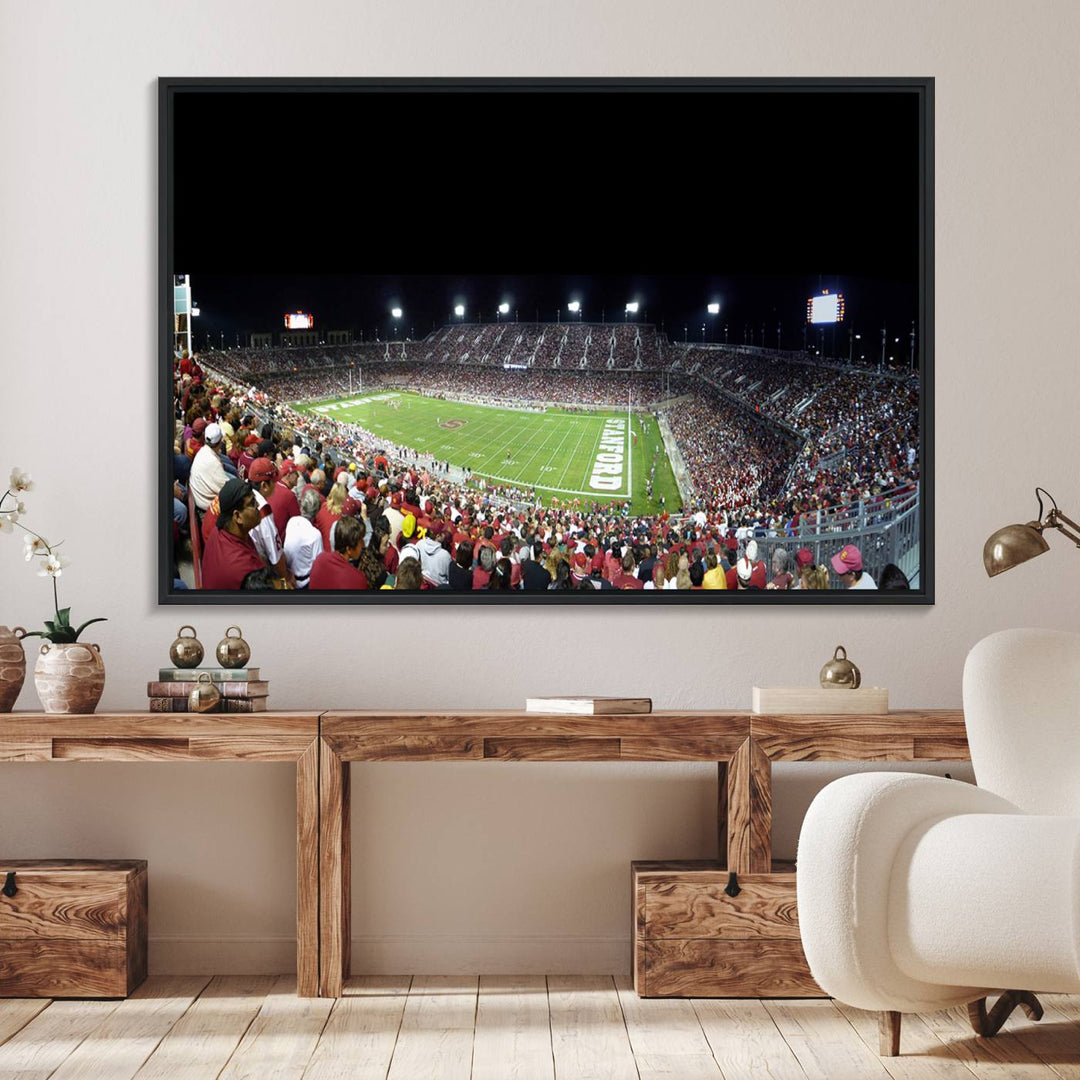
(1013, 545)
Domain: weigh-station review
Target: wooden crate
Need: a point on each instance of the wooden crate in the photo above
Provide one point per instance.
(73, 928)
(817, 701)
(691, 939)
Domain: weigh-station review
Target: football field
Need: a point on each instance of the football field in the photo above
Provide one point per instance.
(600, 455)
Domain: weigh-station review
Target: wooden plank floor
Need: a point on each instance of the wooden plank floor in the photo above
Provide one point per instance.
(523, 1027)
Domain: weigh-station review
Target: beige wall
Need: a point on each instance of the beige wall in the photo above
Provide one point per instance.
(495, 867)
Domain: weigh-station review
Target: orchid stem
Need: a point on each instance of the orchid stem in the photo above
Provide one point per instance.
(20, 525)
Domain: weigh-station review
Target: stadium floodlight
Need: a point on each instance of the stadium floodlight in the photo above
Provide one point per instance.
(504, 309)
(574, 306)
(714, 309)
(194, 312)
(396, 312)
(632, 307)
(459, 310)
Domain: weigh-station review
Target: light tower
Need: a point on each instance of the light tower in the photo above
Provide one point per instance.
(183, 313)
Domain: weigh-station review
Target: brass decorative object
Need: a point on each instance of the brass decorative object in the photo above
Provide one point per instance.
(186, 652)
(204, 695)
(1014, 544)
(233, 652)
(840, 673)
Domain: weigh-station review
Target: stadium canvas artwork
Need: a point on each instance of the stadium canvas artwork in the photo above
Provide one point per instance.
(509, 341)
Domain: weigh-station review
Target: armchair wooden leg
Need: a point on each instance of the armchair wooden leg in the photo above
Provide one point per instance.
(889, 1033)
(989, 1024)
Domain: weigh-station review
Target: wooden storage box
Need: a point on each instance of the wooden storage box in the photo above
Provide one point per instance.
(691, 939)
(72, 928)
(817, 701)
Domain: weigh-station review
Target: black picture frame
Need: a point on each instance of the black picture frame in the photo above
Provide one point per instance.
(921, 88)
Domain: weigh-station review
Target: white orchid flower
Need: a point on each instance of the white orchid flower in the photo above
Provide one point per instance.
(20, 481)
(8, 519)
(53, 566)
(34, 545)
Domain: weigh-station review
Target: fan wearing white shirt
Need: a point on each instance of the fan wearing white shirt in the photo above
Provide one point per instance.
(303, 541)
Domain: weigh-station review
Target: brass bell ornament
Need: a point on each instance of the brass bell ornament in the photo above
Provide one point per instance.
(186, 652)
(840, 673)
(233, 652)
(204, 695)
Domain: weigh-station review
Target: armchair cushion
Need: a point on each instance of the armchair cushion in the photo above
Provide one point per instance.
(851, 837)
(987, 899)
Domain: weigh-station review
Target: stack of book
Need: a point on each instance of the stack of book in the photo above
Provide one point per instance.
(241, 689)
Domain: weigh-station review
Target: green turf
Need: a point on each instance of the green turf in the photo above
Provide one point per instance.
(554, 452)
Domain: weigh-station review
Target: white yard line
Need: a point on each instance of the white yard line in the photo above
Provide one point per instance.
(536, 451)
(566, 435)
(493, 439)
(573, 452)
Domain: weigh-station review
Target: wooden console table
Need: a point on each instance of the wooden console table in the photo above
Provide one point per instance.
(722, 737)
(137, 736)
(902, 735)
(743, 745)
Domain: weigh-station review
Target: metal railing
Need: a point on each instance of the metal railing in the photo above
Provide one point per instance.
(885, 530)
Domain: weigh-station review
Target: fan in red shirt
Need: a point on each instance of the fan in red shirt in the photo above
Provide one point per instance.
(334, 569)
(758, 573)
(627, 580)
(230, 555)
(283, 500)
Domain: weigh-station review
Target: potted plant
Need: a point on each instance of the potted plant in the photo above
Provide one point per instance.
(69, 674)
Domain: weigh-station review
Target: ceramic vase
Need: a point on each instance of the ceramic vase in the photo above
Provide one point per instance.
(12, 666)
(69, 678)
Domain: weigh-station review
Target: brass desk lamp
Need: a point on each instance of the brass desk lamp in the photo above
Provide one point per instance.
(1014, 544)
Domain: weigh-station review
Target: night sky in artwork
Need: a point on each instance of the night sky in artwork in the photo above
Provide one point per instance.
(346, 203)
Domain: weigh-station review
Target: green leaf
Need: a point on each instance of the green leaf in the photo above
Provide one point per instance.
(85, 625)
(63, 617)
(50, 625)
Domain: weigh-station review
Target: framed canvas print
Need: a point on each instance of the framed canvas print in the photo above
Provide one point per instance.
(559, 341)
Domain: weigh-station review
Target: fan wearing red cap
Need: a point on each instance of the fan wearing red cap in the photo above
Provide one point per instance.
(848, 566)
(263, 477)
(284, 501)
(579, 567)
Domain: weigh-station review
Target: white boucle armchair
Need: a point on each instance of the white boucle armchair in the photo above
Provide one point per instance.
(917, 893)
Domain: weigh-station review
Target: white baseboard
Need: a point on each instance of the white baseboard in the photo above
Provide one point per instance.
(428, 954)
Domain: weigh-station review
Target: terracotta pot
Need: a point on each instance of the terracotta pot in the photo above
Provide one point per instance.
(12, 666)
(69, 678)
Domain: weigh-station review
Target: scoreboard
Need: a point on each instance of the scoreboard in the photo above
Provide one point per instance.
(825, 309)
(299, 320)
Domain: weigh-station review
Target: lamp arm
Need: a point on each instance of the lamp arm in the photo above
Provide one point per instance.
(1055, 519)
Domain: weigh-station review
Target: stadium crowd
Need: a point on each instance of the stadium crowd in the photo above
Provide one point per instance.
(248, 458)
(527, 386)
